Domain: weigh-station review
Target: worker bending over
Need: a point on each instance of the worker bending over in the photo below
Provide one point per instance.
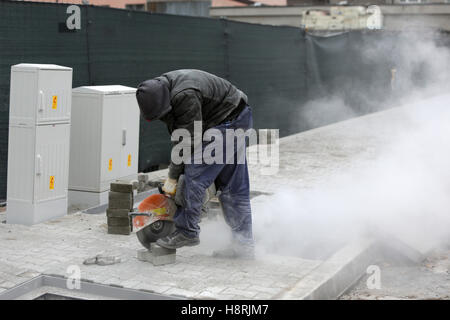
(180, 98)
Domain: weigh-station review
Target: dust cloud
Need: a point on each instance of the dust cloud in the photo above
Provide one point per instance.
(404, 192)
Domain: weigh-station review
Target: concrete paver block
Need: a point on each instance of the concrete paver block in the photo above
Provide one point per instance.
(156, 255)
(120, 195)
(117, 213)
(121, 187)
(160, 251)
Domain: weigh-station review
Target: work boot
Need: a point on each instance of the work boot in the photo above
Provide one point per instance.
(236, 251)
(177, 240)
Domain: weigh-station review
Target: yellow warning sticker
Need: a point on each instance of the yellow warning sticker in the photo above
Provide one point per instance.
(129, 160)
(110, 164)
(52, 183)
(54, 102)
(159, 211)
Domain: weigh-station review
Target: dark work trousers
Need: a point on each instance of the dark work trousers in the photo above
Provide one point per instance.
(231, 180)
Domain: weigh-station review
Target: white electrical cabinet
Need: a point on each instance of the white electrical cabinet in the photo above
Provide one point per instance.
(104, 141)
(39, 137)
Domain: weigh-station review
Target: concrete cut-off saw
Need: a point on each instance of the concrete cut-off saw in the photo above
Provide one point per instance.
(154, 216)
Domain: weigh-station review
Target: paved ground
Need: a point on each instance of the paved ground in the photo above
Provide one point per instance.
(53, 246)
(297, 225)
(428, 280)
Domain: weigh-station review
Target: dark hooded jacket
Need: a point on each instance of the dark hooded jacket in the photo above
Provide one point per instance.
(183, 96)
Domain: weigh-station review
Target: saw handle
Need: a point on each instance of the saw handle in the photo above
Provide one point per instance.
(161, 191)
(138, 214)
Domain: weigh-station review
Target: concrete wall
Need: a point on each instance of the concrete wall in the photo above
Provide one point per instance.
(396, 17)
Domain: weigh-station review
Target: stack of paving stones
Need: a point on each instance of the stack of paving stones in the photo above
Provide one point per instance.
(142, 180)
(120, 204)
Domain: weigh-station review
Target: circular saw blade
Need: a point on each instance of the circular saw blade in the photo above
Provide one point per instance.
(154, 231)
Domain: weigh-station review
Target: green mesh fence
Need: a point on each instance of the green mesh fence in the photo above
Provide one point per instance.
(280, 68)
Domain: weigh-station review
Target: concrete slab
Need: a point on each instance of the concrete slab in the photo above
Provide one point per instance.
(336, 274)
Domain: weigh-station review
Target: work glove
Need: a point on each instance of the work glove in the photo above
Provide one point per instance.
(170, 187)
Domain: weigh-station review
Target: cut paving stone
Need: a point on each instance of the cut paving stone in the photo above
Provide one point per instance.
(126, 230)
(117, 213)
(157, 255)
(121, 187)
(160, 251)
(147, 256)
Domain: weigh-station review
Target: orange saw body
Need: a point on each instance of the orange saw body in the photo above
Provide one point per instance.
(154, 218)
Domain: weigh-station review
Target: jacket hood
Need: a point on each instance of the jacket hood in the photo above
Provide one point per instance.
(153, 97)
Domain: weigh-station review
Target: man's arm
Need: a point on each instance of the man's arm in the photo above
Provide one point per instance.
(187, 108)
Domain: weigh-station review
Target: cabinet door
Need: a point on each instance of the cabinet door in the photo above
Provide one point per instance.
(110, 141)
(51, 162)
(85, 147)
(23, 98)
(54, 96)
(130, 135)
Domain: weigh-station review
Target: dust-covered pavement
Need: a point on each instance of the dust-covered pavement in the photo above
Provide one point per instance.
(332, 181)
(54, 246)
(428, 280)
